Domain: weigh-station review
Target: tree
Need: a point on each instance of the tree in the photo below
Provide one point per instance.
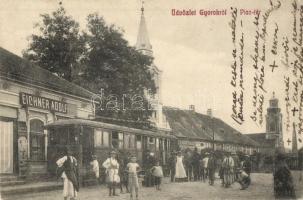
(58, 46)
(117, 68)
(99, 58)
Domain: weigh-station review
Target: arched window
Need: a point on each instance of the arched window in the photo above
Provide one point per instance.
(37, 140)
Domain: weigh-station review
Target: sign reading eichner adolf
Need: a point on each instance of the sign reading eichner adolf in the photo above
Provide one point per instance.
(42, 103)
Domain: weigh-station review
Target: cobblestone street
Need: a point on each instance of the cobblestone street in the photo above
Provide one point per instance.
(261, 188)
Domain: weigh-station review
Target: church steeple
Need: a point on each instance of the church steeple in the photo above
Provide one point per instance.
(143, 43)
(294, 140)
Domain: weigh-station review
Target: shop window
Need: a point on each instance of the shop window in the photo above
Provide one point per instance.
(37, 140)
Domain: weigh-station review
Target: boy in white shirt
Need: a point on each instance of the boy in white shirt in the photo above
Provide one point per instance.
(133, 183)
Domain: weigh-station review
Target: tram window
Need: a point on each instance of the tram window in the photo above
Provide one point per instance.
(157, 144)
(126, 141)
(151, 140)
(117, 140)
(132, 141)
(98, 137)
(105, 138)
(138, 143)
(73, 138)
(63, 137)
(120, 140)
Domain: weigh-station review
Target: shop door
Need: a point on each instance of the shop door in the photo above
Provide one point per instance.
(6, 147)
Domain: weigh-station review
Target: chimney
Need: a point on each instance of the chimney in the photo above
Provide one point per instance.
(192, 108)
(209, 112)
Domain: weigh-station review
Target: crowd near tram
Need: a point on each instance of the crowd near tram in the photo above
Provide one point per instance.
(86, 152)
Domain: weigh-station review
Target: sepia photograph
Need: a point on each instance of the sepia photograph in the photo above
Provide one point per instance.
(151, 99)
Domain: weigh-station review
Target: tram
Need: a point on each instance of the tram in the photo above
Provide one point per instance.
(87, 137)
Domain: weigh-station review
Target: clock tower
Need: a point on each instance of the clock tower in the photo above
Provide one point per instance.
(274, 122)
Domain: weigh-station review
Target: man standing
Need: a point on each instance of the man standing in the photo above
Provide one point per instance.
(172, 166)
(236, 165)
(211, 166)
(247, 165)
(112, 170)
(228, 164)
(205, 166)
(195, 164)
(69, 172)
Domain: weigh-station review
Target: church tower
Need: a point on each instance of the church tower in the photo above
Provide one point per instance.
(144, 46)
(294, 140)
(274, 122)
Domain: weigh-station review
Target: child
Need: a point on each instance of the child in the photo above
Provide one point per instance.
(95, 164)
(133, 168)
(157, 172)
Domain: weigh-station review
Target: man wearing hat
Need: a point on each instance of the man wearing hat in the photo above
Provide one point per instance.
(112, 171)
(211, 166)
(70, 174)
(228, 164)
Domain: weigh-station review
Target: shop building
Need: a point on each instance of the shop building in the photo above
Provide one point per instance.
(31, 98)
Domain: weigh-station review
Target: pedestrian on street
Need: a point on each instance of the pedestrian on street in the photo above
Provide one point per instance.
(112, 171)
(180, 170)
(211, 166)
(236, 165)
(149, 163)
(158, 174)
(195, 164)
(246, 166)
(172, 166)
(228, 164)
(205, 166)
(95, 165)
(188, 165)
(68, 170)
(283, 182)
(243, 179)
(221, 170)
(133, 183)
(123, 161)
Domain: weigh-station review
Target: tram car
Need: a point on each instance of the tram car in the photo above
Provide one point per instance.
(87, 137)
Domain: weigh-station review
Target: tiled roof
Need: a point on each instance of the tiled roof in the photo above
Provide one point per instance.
(21, 70)
(193, 125)
(260, 138)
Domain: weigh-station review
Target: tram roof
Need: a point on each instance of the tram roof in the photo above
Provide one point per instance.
(97, 124)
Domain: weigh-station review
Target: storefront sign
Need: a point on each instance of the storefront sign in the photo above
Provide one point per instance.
(42, 103)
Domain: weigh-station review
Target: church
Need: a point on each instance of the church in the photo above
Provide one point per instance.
(273, 137)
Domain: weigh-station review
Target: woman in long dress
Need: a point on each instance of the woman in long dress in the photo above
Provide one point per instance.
(180, 170)
(112, 170)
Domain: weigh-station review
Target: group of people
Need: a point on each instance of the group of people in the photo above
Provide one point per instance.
(186, 167)
(119, 172)
(201, 166)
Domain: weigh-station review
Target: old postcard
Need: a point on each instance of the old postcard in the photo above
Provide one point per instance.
(151, 99)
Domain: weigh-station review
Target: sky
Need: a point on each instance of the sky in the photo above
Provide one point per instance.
(194, 52)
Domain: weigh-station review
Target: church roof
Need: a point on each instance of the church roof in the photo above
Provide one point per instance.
(18, 69)
(193, 125)
(143, 42)
(260, 138)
